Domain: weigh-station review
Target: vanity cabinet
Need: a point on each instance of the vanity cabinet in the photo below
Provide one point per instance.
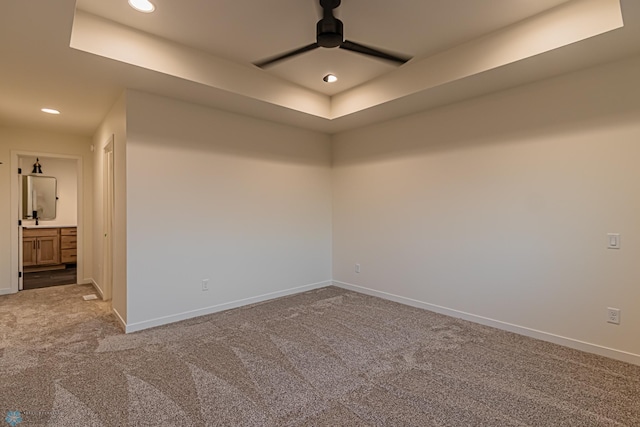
(49, 248)
(40, 246)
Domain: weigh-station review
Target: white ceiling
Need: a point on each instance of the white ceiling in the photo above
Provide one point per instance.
(246, 31)
(39, 68)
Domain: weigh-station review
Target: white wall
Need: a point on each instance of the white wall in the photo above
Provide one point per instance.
(64, 170)
(212, 195)
(499, 208)
(113, 126)
(22, 140)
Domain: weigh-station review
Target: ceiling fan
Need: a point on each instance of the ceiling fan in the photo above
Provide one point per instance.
(330, 34)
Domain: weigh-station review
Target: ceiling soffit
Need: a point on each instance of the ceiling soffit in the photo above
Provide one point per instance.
(566, 24)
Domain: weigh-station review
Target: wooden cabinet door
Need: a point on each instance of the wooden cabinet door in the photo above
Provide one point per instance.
(29, 252)
(48, 250)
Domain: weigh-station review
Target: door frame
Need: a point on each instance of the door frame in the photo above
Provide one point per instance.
(16, 208)
(108, 214)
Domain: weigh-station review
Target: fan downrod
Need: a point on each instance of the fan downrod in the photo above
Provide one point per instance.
(329, 4)
(329, 30)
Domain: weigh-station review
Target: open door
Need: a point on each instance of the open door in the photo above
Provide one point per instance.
(20, 248)
(108, 209)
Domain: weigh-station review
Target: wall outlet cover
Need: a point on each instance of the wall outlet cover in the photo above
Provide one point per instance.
(613, 315)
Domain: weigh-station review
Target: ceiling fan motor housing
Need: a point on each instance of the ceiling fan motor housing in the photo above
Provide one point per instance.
(329, 32)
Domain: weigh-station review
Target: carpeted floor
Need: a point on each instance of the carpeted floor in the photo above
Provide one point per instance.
(329, 357)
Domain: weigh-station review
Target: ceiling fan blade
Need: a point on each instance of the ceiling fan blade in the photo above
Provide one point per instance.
(270, 61)
(356, 47)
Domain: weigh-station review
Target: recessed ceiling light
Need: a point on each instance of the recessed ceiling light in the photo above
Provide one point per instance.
(142, 5)
(330, 78)
(50, 111)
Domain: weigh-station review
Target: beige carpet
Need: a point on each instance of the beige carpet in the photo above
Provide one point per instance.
(323, 358)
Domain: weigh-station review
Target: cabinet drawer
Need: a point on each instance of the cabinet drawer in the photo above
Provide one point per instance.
(39, 232)
(68, 242)
(69, 231)
(68, 256)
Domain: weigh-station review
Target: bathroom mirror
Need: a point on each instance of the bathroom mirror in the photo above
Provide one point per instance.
(39, 196)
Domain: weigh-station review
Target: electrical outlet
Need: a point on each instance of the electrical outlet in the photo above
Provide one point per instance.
(357, 268)
(613, 315)
(205, 285)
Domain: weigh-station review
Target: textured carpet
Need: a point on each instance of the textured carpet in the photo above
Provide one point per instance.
(323, 358)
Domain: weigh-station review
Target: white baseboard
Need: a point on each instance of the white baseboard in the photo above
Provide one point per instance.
(7, 291)
(138, 326)
(96, 287)
(121, 321)
(123, 324)
(533, 333)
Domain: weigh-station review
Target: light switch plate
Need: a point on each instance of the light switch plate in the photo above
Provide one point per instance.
(613, 241)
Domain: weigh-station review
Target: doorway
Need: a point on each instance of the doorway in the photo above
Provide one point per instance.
(48, 244)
